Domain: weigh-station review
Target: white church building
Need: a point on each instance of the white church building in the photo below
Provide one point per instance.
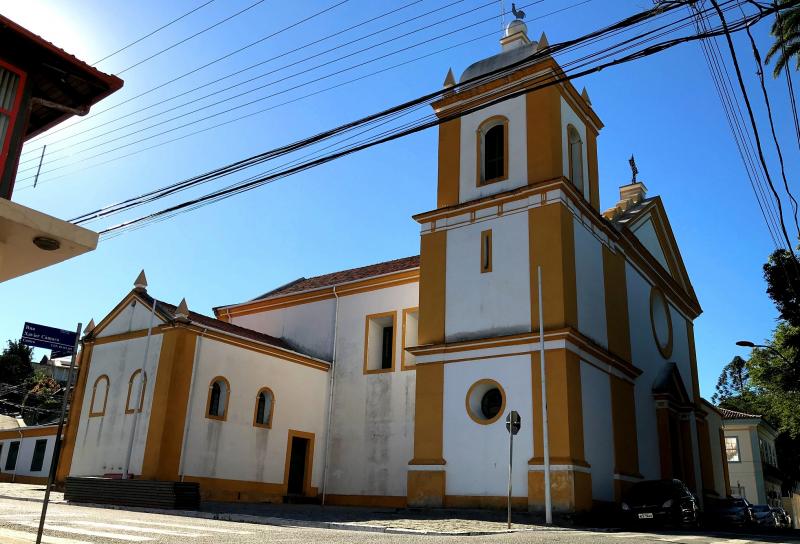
(389, 384)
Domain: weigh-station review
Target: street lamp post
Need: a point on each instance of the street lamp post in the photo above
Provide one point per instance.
(749, 344)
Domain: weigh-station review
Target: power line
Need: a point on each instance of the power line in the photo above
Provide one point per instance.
(272, 95)
(268, 84)
(753, 121)
(159, 29)
(184, 40)
(224, 57)
(223, 193)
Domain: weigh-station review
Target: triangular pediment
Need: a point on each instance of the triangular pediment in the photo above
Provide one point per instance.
(133, 313)
(651, 227)
(669, 386)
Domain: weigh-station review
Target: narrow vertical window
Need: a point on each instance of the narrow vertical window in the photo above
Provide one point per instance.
(219, 391)
(38, 455)
(265, 407)
(493, 150)
(379, 343)
(11, 460)
(486, 251)
(575, 157)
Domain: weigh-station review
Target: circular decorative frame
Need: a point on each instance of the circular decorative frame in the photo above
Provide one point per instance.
(490, 384)
(665, 348)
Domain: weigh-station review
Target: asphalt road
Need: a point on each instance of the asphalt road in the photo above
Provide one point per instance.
(69, 524)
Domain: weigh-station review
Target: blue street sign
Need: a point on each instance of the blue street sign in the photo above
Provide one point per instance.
(41, 336)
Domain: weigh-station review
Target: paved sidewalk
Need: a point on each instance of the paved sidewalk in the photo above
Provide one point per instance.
(382, 520)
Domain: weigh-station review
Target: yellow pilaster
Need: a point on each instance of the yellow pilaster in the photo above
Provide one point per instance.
(449, 163)
(616, 295)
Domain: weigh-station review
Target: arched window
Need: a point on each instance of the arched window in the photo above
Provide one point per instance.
(97, 407)
(134, 391)
(493, 150)
(265, 407)
(575, 157)
(218, 394)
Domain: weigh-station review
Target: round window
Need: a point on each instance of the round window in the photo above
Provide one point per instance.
(485, 401)
(661, 322)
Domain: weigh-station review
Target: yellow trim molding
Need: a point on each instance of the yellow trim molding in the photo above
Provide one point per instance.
(616, 296)
(429, 415)
(492, 385)
(308, 491)
(433, 263)
(102, 411)
(449, 163)
(426, 488)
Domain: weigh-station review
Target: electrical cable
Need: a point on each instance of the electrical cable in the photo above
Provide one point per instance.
(218, 195)
(184, 40)
(260, 87)
(159, 29)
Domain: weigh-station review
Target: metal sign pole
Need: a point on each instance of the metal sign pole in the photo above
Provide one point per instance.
(57, 442)
(548, 502)
(510, 465)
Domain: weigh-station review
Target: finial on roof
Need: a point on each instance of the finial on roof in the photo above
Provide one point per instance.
(450, 79)
(182, 311)
(518, 13)
(543, 43)
(140, 284)
(89, 327)
(634, 169)
(585, 96)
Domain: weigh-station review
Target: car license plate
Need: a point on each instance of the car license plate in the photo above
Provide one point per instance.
(646, 515)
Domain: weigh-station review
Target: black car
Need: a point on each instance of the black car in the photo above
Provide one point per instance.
(729, 512)
(666, 502)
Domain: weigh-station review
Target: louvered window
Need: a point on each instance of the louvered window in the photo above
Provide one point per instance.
(10, 85)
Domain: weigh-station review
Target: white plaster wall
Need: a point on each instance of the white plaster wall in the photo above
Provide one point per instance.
(514, 110)
(134, 317)
(493, 303)
(746, 471)
(569, 117)
(372, 437)
(234, 449)
(598, 430)
(680, 349)
(645, 356)
(306, 327)
(101, 442)
(477, 455)
(646, 233)
(590, 285)
(25, 455)
(714, 423)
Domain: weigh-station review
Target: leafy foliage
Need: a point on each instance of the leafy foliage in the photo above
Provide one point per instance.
(16, 363)
(786, 30)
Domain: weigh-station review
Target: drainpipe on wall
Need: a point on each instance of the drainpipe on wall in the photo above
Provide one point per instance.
(189, 407)
(330, 399)
(138, 398)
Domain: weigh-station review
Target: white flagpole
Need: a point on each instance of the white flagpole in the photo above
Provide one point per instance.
(138, 398)
(548, 501)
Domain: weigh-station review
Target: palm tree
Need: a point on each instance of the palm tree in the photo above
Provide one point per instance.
(786, 30)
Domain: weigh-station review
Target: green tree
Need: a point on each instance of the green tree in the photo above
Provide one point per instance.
(42, 400)
(783, 285)
(786, 30)
(16, 363)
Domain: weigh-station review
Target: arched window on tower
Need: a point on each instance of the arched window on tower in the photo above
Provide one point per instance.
(493, 150)
(575, 157)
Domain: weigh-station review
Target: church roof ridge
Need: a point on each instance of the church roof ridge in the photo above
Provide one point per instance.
(337, 278)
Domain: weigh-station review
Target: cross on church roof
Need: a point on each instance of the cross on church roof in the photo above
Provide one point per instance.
(634, 170)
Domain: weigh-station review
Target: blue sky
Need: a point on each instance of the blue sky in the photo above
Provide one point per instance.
(357, 210)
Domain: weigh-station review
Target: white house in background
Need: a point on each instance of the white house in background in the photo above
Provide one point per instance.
(25, 453)
(389, 384)
(752, 459)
